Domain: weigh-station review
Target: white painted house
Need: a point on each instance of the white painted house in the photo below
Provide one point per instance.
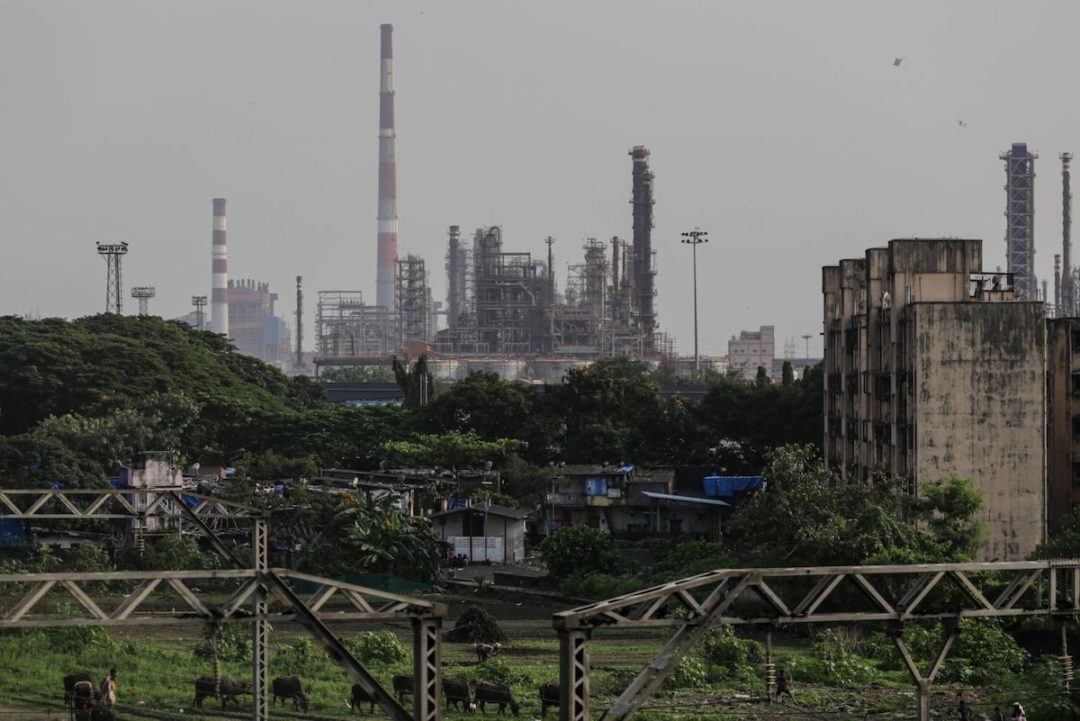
(483, 533)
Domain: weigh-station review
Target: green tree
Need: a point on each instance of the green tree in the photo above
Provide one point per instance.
(374, 535)
(762, 377)
(416, 382)
(788, 374)
(580, 550)
(453, 450)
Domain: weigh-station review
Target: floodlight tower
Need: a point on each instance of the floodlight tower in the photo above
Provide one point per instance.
(199, 301)
(143, 294)
(114, 296)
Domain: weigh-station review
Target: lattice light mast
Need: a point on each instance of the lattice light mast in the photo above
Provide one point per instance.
(1020, 219)
(199, 301)
(113, 253)
(143, 294)
(694, 238)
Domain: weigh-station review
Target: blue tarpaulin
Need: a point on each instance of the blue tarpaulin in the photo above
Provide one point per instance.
(595, 486)
(13, 533)
(727, 486)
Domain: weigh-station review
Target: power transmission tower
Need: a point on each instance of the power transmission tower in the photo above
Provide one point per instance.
(143, 294)
(114, 295)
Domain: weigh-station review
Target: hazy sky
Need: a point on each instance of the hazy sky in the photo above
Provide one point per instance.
(782, 128)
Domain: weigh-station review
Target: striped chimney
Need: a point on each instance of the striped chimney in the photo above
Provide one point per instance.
(388, 220)
(219, 299)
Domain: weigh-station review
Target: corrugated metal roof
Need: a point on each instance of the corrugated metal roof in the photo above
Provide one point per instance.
(685, 499)
(506, 512)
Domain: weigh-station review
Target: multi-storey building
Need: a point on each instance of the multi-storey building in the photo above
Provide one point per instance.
(752, 349)
(253, 327)
(1063, 420)
(934, 369)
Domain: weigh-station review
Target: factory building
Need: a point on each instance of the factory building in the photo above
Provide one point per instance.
(254, 328)
(752, 349)
(935, 369)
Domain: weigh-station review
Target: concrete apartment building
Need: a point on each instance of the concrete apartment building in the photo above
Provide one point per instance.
(934, 369)
(752, 349)
(1063, 420)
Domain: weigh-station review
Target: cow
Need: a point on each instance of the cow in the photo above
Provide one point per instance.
(228, 690)
(456, 693)
(359, 696)
(496, 693)
(402, 685)
(289, 687)
(69, 685)
(549, 696)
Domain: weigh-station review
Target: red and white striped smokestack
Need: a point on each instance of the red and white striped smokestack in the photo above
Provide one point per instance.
(388, 220)
(219, 299)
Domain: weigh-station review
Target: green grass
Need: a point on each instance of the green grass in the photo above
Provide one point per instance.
(158, 665)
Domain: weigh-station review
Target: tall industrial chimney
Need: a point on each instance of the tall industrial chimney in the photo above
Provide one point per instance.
(219, 297)
(1068, 289)
(299, 321)
(642, 202)
(388, 220)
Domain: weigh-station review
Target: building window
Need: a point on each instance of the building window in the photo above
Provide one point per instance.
(472, 523)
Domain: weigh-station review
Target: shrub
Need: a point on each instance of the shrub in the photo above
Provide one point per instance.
(234, 642)
(984, 654)
(690, 673)
(583, 550)
(598, 585)
(721, 647)
(840, 662)
(496, 670)
(377, 648)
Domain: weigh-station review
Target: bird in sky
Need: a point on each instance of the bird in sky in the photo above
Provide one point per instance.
(896, 62)
(961, 123)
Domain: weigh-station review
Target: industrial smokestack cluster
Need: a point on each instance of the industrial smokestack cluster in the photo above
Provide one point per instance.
(219, 294)
(388, 219)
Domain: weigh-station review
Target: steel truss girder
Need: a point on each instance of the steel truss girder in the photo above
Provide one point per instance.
(366, 604)
(113, 503)
(896, 594)
(261, 588)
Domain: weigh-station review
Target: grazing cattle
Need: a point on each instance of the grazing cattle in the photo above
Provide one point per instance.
(359, 696)
(458, 694)
(290, 687)
(402, 685)
(228, 690)
(549, 696)
(496, 693)
(69, 685)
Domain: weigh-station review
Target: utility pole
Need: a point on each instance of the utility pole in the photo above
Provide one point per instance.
(694, 238)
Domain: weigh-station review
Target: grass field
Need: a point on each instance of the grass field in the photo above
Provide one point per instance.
(157, 667)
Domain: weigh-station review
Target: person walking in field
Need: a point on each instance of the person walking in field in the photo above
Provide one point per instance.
(108, 691)
(783, 686)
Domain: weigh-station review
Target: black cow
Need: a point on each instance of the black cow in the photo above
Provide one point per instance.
(69, 685)
(496, 693)
(549, 696)
(402, 685)
(458, 694)
(289, 687)
(228, 690)
(359, 696)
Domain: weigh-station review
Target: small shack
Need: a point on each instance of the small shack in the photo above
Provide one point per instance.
(492, 534)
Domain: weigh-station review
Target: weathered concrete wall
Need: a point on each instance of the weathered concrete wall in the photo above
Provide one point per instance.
(1063, 359)
(980, 412)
